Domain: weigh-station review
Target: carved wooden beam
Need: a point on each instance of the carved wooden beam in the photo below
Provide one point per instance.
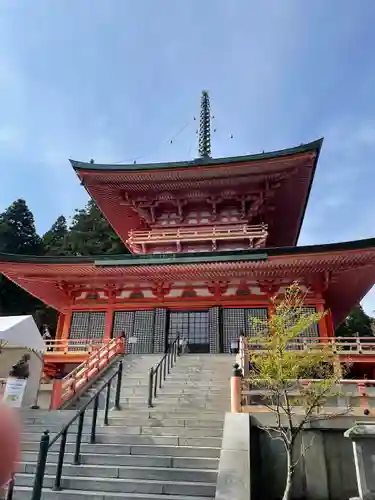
(269, 287)
(161, 289)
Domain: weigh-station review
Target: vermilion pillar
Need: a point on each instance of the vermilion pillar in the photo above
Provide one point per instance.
(67, 324)
(108, 324)
(329, 323)
(60, 326)
(323, 333)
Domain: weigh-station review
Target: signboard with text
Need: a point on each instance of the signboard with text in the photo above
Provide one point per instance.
(14, 391)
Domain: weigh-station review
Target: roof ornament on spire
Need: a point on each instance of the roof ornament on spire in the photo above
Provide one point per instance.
(204, 141)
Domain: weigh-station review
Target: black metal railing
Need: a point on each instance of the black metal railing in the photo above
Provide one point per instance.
(46, 442)
(159, 373)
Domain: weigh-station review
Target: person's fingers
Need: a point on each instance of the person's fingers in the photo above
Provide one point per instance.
(10, 442)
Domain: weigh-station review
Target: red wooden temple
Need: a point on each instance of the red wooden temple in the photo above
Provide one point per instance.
(210, 241)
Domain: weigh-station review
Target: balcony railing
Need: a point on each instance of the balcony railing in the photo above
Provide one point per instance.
(76, 346)
(341, 345)
(98, 360)
(359, 395)
(352, 394)
(255, 234)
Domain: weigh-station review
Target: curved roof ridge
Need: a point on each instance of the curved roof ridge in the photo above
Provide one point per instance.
(201, 162)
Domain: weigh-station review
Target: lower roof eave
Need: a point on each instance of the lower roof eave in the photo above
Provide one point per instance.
(350, 267)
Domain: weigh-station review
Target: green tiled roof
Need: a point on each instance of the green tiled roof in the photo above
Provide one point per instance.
(189, 258)
(199, 162)
(182, 259)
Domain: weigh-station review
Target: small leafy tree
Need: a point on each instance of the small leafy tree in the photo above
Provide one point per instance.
(298, 377)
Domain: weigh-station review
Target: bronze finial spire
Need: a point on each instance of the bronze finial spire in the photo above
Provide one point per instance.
(204, 142)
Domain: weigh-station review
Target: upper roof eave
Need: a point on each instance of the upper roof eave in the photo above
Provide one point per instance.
(139, 260)
(199, 162)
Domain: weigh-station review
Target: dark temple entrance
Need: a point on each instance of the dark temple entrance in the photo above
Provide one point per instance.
(191, 325)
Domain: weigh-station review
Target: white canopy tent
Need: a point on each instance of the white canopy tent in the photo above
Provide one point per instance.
(21, 331)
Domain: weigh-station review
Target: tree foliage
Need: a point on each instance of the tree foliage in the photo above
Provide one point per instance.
(281, 363)
(17, 230)
(18, 236)
(356, 323)
(88, 234)
(55, 240)
(91, 234)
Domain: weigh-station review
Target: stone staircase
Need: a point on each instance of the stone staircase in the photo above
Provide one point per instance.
(168, 452)
(136, 364)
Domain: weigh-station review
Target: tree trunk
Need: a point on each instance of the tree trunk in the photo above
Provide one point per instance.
(289, 474)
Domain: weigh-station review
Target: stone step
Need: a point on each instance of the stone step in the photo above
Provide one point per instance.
(198, 451)
(184, 377)
(142, 409)
(150, 415)
(24, 493)
(179, 398)
(130, 439)
(171, 405)
(129, 460)
(167, 390)
(135, 430)
(175, 413)
(156, 421)
(125, 485)
(125, 472)
(196, 385)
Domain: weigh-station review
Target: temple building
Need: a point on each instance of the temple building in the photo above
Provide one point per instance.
(211, 241)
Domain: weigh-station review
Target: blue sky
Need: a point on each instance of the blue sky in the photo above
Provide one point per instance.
(114, 80)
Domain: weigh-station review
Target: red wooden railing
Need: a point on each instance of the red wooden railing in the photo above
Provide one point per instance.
(72, 346)
(341, 345)
(66, 388)
(198, 233)
(344, 346)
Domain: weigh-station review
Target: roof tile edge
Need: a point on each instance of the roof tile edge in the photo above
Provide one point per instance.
(201, 162)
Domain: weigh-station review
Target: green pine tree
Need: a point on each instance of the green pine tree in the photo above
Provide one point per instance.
(55, 240)
(17, 230)
(18, 235)
(91, 234)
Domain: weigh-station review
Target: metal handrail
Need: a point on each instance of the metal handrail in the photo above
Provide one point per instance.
(159, 373)
(46, 442)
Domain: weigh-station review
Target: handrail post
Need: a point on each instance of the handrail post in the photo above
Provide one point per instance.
(94, 418)
(40, 467)
(160, 374)
(150, 382)
(155, 384)
(107, 403)
(60, 462)
(165, 368)
(169, 361)
(118, 386)
(77, 453)
(235, 389)
(10, 489)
